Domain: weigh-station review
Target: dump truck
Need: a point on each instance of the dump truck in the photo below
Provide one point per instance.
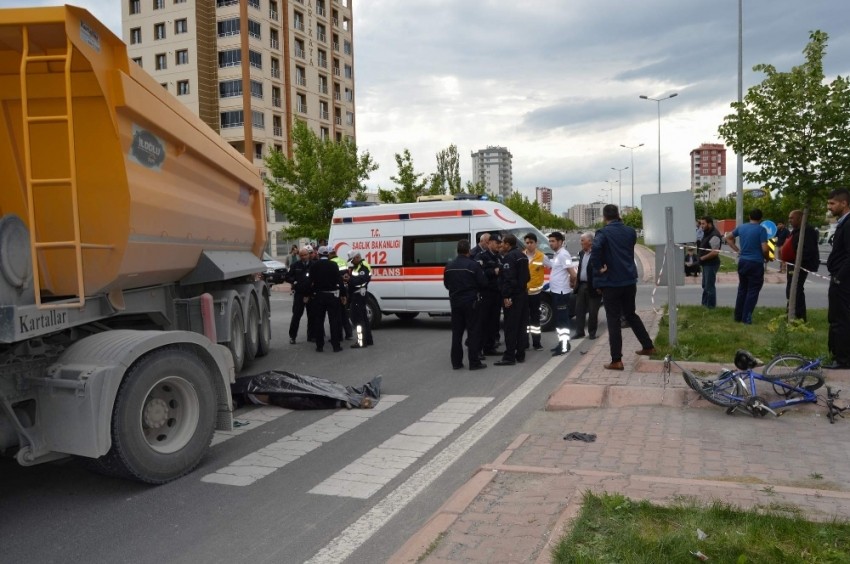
(130, 237)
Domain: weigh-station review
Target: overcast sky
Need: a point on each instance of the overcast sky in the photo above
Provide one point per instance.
(557, 82)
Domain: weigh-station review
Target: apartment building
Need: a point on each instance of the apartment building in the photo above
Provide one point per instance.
(249, 68)
(586, 215)
(543, 196)
(708, 171)
(493, 167)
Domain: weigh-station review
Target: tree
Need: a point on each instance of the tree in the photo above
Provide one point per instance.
(633, 218)
(478, 188)
(795, 127)
(319, 177)
(409, 184)
(448, 168)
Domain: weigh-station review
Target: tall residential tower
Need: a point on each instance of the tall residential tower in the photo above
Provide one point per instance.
(492, 166)
(249, 68)
(708, 171)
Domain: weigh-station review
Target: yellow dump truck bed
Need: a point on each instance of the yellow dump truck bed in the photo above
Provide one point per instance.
(119, 184)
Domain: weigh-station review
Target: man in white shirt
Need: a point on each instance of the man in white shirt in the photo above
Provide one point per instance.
(561, 280)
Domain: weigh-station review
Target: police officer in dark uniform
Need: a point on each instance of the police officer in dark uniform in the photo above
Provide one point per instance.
(328, 292)
(298, 277)
(464, 279)
(359, 275)
(490, 308)
(513, 281)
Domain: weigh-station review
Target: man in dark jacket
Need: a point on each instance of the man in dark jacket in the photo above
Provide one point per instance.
(490, 308)
(513, 284)
(464, 279)
(298, 277)
(709, 259)
(809, 263)
(838, 265)
(588, 298)
(612, 258)
(328, 291)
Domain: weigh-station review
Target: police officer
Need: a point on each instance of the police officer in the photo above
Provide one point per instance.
(464, 279)
(328, 292)
(360, 273)
(298, 277)
(490, 308)
(343, 270)
(513, 284)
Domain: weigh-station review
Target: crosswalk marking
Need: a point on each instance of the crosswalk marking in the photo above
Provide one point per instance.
(250, 418)
(250, 468)
(372, 471)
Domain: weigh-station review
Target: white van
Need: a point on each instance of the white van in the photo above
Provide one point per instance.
(408, 246)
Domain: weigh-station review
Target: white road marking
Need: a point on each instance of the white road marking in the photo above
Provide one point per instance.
(375, 469)
(251, 418)
(263, 462)
(361, 530)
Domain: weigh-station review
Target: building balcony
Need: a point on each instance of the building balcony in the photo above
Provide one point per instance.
(299, 25)
(302, 108)
(274, 43)
(300, 53)
(301, 81)
(275, 73)
(324, 115)
(274, 15)
(276, 102)
(278, 131)
(321, 37)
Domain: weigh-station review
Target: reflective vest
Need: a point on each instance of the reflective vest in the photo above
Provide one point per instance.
(535, 271)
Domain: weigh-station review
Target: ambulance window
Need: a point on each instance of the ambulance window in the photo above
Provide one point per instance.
(431, 250)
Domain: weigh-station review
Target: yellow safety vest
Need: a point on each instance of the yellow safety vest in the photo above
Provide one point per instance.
(536, 271)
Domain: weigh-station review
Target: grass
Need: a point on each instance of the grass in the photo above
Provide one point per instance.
(711, 335)
(613, 528)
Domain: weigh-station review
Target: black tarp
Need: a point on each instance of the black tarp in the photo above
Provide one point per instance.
(298, 391)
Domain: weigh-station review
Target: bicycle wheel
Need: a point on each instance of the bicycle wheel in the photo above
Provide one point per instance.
(792, 370)
(723, 391)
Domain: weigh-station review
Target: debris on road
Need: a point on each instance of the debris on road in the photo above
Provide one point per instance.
(298, 391)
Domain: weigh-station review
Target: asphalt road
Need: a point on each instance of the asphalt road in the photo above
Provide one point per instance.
(433, 427)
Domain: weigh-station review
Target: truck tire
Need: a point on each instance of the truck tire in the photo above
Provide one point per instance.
(373, 312)
(265, 344)
(163, 418)
(237, 336)
(252, 330)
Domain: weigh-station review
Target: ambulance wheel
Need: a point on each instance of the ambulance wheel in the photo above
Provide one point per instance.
(373, 312)
(547, 315)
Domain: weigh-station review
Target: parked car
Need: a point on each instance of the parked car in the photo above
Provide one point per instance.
(275, 270)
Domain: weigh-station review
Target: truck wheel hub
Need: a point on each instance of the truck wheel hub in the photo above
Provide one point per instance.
(156, 413)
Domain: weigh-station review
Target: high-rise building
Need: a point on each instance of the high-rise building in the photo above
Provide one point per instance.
(544, 198)
(250, 68)
(492, 166)
(586, 215)
(708, 171)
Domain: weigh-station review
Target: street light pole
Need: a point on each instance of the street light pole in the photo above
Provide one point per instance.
(658, 101)
(620, 184)
(632, 150)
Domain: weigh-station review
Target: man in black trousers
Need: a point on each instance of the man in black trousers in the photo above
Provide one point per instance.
(328, 292)
(513, 284)
(464, 279)
(838, 265)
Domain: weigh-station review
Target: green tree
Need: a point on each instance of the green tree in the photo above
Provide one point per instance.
(409, 183)
(478, 188)
(448, 168)
(319, 177)
(795, 127)
(634, 218)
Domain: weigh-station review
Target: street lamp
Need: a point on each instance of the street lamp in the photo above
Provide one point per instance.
(610, 191)
(659, 100)
(632, 150)
(620, 183)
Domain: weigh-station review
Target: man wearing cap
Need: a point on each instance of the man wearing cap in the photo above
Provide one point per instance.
(513, 284)
(464, 279)
(360, 273)
(298, 277)
(328, 291)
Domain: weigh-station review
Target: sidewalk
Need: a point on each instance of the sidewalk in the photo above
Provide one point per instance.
(652, 443)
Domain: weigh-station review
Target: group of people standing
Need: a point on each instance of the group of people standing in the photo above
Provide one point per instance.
(326, 286)
(496, 276)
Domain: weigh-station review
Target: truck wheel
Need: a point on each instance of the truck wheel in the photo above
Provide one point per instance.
(373, 312)
(163, 418)
(237, 336)
(547, 315)
(265, 344)
(252, 330)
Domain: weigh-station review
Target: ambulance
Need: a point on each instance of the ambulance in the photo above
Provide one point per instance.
(409, 245)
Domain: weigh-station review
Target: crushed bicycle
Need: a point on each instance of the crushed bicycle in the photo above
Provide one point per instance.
(792, 377)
